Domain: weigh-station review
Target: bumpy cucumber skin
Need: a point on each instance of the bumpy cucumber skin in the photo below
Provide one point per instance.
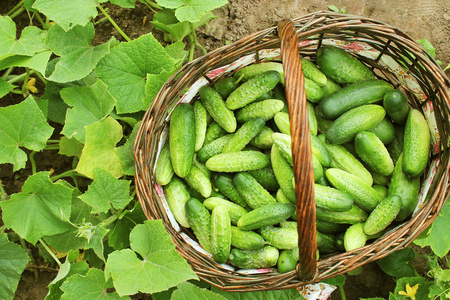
(326, 244)
(251, 71)
(164, 170)
(311, 71)
(352, 216)
(286, 262)
(225, 86)
(235, 211)
(251, 191)
(319, 150)
(224, 183)
(216, 107)
(363, 195)
(199, 218)
(283, 173)
(213, 148)
(395, 148)
(263, 139)
(345, 128)
(265, 109)
(416, 147)
(341, 66)
(267, 215)
(385, 131)
(313, 91)
(317, 168)
(280, 237)
(201, 117)
(282, 121)
(396, 104)
(244, 134)
(381, 189)
(329, 227)
(237, 161)
(405, 187)
(249, 91)
(266, 178)
(352, 96)
(197, 180)
(182, 138)
(355, 237)
(332, 199)
(177, 194)
(265, 257)
(283, 143)
(383, 215)
(220, 234)
(245, 240)
(373, 152)
(213, 132)
(330, 87)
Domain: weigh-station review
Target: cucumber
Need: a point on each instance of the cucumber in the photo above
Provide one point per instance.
(311, 71)
(225, 86)
(319, 150)
(385, 131)
(213, 148)
(330, 87)
(341, 66)
(364, 196)
(416, 147)
(213, 132)
(381, 189)
(281, 198)
(224, 183)
(313, 127)
(182, 138)
(216, 107)
(164, 170)
(251, 191)
(355, 237)
(237, 161)
(317, 168)
(396, 105)
(251, 71)
(249, 91)
(244, 134)
(352, 96)
(198, 181)
(265, 257)
(372, 151)
(245, 240)
(282, 121)
(332, 199)
(383, 215)
(406, 188)
(313, 91)
(200, 124)
(395, 148)
(286, 262)
(266, 178)
(202, 168)
(199, 218)
(280, 237)
(235, 211)
(283, 173)
(283, 143)
(220, 234)
(364, 117)
(325, 243)
(288, 224)
(263, 139)
(264, 96)
(329, 227)
(177, 194)
(322, 124)
(266, 215)
(265, 109)
(352, 216)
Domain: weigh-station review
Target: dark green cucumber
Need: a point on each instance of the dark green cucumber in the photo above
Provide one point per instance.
(266, 215)
(202, 168)
(330, 87)
(225, 86)
(352, 216)
(265, 257)
(322, 123)
(250, 90)
(220, 234)
(329, 227)
(164, 169)
(216, 107)
(325, 242)
(372, 151)
(224, 183)
(237, 161)
(251, 71)
(280, 237)
(313, 91)
(263, 139)
(364, 117)
(286, 262)
(177, 194)
(182, 138)
(235, 211)
(245, 239)
(283, 173)
(265, 109)
(213, 148)
(380, 179)
(244, 134)
(199, 218)
(383, 215)
(282, 121)
(197, 180)
(311, 71)
(351, 96)
(213, 132)
(320, 151)
(200, 124)
(385, 131)
(341, 66)
(332, 199)
(355, 237)
(317, 168)
(416, 147)
(251, 191)
(396, 105)
(266, 178)
(281, 198)
(395, 148)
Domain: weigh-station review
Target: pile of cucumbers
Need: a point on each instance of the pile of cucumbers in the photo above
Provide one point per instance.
(227, 169)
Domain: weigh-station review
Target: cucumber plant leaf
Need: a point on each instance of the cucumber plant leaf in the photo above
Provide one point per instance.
(397, 263)
(159, 259)
(125, 70)
(124, 3)
(100, 148)
(70, 147)
(89, 104)
(23, 125)
(422, 291)
(186, 291)
(90, 286)
(177, 52)
(95, 236)
(5, 87)
(42, 208)
(191, 10)
(66, 270)
(13, 260)
(36, 62)
(77, 55)
(68, 13)
(119, 237)
(125, 152)
(262, 295)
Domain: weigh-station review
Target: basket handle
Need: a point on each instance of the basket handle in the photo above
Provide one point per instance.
(301, 149)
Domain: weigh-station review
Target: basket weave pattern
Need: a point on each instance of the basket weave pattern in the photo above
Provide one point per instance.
(315, 28)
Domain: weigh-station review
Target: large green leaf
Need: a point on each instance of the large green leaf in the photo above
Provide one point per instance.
(88, 105)
(124, 3)
(119, 237)
(100, 148)
(187, 291)
(159, 268)
(13, 260)
(68, 13)
(36, 62)
(125, 70)
(66, 270)
(397, 263)
(265, 295)
(77, 55)
(126, 152)
(191, 10)
(23, 125)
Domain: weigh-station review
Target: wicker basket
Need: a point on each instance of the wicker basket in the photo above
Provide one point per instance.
(390, 53)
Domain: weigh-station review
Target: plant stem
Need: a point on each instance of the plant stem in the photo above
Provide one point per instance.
(33, 162)
(191, 50)
(41, 77)
(18, 12)
(52, 147)
(20, 4)
(153, 4)
(44, 25)
(114, 24)
(2, 229)
(69, 173)
(341, 290)
(50, 252)
(7, 72)
(25, 81)
(112, 218)
(20, 77)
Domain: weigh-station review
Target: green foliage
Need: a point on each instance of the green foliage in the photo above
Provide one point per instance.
(266, 295)
(191, 10)
(397, 263)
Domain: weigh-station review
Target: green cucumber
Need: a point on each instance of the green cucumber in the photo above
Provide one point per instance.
(396, 105)
(281, 198)
(266, 215)
(355, 237)
(198, 181)
(263, 139)
(325, 242)
(280, 237)
(200, 124)
(283, 173)
(416, 147)
(383, 215)
(182, 138)
(320, 151)
(329, 227)
(282, 121)
(251, 191)
(381, 189)
(251, 71)
(364, 117)
(235, 211)
(213, 148)
(372, 151)
(237, 161)
(385, 131)
(283, 143)
(317, 168)
(313, 91)
(311, 71)
(364, 196)
(352, 96)
(266, 178)
(220, 234)
(245, 240)
(264, 96)
(332, 199)
(322, 123)
(265, 109)
(213, 132)
(224, 183)
(225, 86)
(199, 218)
(164, 169)
(330, 87)
(250, 90)
(341, 66)
(286, 262)
(202, 168)
(177, 194)
(312, 120)
(265, 257)
(216, 107)
(352, 216)
(244, 134)
(395, 148)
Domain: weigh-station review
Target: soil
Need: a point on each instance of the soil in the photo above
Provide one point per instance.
(419, 18)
